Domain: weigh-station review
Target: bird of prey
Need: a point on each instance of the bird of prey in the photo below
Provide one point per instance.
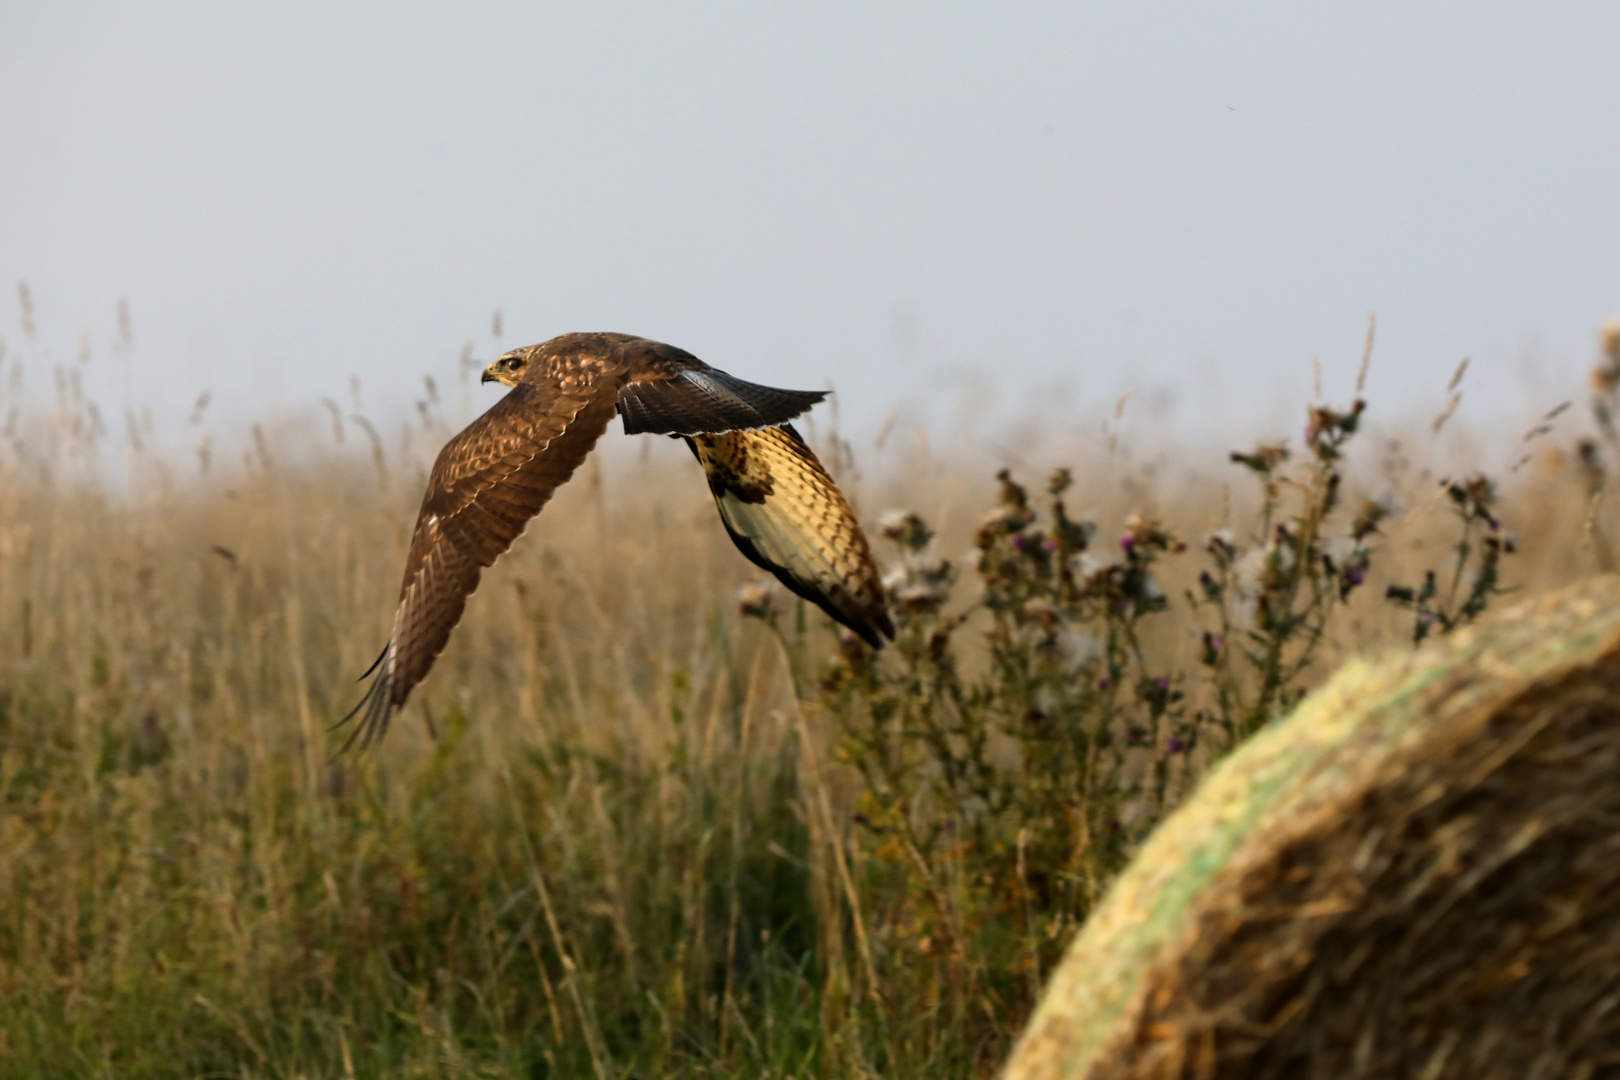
(778, 504)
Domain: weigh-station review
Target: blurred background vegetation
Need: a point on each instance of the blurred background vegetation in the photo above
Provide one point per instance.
(649, 817)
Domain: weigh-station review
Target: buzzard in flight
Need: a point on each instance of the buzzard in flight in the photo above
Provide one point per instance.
(777, 502)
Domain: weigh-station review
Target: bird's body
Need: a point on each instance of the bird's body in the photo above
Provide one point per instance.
(778, 504)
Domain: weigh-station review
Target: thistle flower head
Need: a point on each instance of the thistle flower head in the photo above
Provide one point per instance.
(754, 600)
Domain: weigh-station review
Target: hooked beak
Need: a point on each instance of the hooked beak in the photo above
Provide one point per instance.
(487, 377)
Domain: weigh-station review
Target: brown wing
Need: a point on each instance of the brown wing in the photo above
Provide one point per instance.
(784, 512)
(486, 484)
(668, 391)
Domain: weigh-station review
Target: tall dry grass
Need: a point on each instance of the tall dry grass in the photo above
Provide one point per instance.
(623, 830)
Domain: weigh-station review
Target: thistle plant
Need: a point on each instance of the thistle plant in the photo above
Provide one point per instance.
(1444, 603)
(1268, 601)
(1012, 751)
(994, 807)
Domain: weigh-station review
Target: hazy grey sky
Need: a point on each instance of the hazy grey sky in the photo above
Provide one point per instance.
(1065, 198)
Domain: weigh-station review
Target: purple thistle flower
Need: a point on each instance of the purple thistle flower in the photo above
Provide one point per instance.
(1162, 684)
(1217, 643)
(1175, 745)
(1127, 542)
(1049, 545)
(1104, 683)
(1018, 542)
(1357, 577)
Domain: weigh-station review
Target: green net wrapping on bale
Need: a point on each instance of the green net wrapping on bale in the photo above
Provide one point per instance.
(1417, 874)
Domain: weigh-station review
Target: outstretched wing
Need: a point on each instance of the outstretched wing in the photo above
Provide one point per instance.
(486, 484)
(784, 512)
(668, 391)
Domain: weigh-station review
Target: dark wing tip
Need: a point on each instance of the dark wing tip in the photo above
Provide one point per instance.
(884, 626)
(708, 402)
(872, 623)
(869, 621)
(374, 707)
(872, 626)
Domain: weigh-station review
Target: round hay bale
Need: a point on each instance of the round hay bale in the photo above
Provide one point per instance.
(1417, 874)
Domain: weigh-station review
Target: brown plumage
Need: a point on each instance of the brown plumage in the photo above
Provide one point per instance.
(778, 504)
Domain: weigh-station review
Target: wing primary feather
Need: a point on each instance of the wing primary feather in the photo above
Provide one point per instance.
(375, 707)
(370, 669)
(707, 402)
(775, 406)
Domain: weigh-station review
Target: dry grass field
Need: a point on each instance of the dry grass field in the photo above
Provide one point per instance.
(627, 828)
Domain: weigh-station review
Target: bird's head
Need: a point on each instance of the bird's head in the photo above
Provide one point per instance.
(508, 369)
